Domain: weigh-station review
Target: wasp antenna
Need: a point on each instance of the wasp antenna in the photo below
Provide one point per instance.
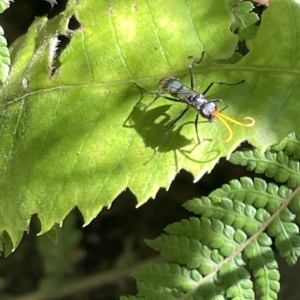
(220, 117)
(218, 114)
(249, 124)
(223, 119)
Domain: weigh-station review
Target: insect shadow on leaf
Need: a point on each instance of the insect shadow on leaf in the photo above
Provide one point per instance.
(144, 121)
(193, 99)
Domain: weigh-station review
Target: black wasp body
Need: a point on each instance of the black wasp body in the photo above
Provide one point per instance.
(206, 108)
(194, 99)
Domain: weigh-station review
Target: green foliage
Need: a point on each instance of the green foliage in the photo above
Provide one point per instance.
(75, 136)
(4, 52)
(4, 57)
(274, 164)
(74, 132)
(290, 146)
(79, 135)
(228, 251)
(4, 4)
(245, 21)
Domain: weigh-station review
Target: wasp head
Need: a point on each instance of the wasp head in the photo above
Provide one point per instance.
(207, 109)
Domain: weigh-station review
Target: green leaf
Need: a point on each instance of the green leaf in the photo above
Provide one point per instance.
(4, 4)
(64, 137)
(234, 3)
(4, 57)
(78, 136)
(246, 20)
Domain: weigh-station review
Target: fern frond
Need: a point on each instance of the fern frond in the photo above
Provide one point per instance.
(237, 280)
(218, 252)
(176, 280)
(212, 233)
(255, 192)
(294, 206)
(263, 199)
(241, 216)
(286, 235)
(264, 266)
(290, 145)
(180, 281)
(230, 246)
(273, 164)
(187, 251)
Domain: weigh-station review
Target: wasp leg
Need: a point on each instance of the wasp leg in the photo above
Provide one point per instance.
(191, 65)
(220, 100)
(138, 86)
(196, 128)
(197, 132)
(220, 83)
(178, 118)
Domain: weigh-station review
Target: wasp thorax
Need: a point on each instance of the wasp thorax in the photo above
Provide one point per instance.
(196, 100)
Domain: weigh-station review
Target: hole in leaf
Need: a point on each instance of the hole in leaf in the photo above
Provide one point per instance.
(59, 45)
(57, 8)
(73, 24)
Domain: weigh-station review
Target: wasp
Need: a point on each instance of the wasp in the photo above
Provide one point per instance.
(198, 101)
